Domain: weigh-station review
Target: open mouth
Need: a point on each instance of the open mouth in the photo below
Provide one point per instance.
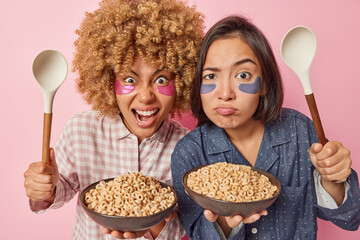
(145, 117)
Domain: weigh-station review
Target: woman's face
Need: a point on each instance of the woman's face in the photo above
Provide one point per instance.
(145, 96)
(231, 83)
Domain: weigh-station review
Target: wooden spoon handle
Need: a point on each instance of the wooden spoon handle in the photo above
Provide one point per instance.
(316, 118)
(46, 137)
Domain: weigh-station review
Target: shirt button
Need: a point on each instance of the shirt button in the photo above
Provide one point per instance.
(254, 230)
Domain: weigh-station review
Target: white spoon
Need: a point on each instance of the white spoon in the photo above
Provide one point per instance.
(50, 70)
(298, 49)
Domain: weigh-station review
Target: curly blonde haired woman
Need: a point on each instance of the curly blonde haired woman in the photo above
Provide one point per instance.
(136, 62)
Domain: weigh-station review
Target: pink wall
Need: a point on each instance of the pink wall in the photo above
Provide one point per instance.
(31, 26)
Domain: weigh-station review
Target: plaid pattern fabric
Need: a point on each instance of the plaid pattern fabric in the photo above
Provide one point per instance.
(92, 148)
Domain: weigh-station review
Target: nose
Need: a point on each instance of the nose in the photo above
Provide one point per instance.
(225, 90)
(146, 94)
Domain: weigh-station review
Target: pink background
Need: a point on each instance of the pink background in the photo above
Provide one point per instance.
(28, 27)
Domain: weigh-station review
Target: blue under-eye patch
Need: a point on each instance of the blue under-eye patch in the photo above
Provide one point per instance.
(253, 87)
(206, 88)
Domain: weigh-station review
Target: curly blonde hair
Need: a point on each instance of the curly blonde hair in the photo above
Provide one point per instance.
(164, 33)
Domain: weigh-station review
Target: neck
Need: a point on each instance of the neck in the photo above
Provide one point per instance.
(247, 139)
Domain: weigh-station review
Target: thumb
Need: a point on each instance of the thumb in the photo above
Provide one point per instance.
(313, 150)
(210, 216)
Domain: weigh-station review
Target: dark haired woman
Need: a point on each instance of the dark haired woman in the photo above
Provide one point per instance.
(237, 97)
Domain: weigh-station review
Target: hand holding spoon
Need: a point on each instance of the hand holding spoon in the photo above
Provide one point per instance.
(49, 69)
(298, 49)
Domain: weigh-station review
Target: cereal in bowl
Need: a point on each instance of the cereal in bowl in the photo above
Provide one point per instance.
(132, 194)
(230, 182)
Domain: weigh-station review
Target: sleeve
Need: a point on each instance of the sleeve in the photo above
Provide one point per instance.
(187, 155)
(347, 215)
(68, 184)
(234, 233)
(324, 199)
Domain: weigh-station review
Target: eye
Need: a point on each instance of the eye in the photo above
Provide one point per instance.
(243, 75)
(129, 80)
(210, 77)
(161, 80)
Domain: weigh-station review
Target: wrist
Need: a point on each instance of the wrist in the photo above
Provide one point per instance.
(224, 225)
(155, 230)
(336, 190)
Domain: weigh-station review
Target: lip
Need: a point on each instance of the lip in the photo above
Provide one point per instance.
(150, 121)
(145, 108)
(224, 110)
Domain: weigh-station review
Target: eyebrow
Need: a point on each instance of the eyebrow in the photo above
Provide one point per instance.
(156, 72)
(235, 64)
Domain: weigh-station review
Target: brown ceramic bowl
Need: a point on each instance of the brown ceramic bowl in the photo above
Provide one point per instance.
(121, 223)
(226, 208)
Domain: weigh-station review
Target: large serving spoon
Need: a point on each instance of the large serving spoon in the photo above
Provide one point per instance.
(298, 49)
(50, 70)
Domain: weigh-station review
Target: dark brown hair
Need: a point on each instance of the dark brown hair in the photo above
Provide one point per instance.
(235, 26)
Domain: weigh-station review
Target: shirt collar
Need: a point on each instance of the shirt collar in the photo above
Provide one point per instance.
(217, 140)
(163, 131)
(275, 134)
(119, 130)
